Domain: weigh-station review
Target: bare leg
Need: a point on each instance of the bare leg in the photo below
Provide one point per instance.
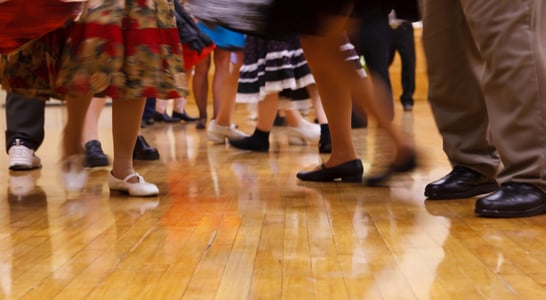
(125, 129)
(180, 105)
(335, 82)
(332, 84)
(200, 85)
(161, 105)
(72, 133)
(267, 109)
(90, 127)
(317, 104)
(225, 84)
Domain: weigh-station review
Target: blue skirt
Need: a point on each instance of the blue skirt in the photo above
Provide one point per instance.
(223, 37)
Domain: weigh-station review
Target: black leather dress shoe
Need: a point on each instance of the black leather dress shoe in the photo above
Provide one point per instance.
(184, 117)
(164, 117)
(512, 200)
(143, 151)
(94, 156)
(461, 182)
(350, 171)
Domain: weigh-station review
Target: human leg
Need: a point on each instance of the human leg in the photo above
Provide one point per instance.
(179, 110)
(149, 110)
(224, 84)
(200, 84)
(259, 140)
(371, 40)
(514, 85)
(126, 116)
(406, 48)
(225, 80)
(325, 142)
(94, 155)
(160, 114)
(455, 95)
(335, 81)
(24, 131)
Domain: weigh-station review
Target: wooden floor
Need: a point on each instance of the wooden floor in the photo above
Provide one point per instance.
(236, 225)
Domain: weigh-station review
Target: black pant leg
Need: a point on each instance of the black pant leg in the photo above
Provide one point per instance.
(406, 48)
(372, 40)
(24, 120)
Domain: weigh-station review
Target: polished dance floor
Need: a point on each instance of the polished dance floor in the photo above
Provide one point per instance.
(230, 224)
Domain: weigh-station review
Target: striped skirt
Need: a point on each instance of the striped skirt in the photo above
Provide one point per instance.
(273, 67)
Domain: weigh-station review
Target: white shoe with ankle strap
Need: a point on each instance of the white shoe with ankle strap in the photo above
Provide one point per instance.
(139, 189)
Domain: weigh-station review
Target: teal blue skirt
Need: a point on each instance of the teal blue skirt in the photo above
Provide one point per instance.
(223, 37)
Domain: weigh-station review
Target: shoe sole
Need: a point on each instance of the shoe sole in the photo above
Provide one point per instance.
(483, 189)
(126, 192)
(97, 163)
(539, 210)
(18, 167)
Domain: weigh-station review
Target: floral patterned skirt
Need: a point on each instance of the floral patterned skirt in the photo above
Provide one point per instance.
(118, 48)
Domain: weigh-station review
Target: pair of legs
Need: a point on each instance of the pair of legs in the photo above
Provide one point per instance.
(224, 84)
(126, 117)
(179, 111)
(336, 80)
(491, 112)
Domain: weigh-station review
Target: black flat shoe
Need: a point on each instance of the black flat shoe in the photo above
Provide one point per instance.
(164, 117)
(409, 164)
(350, 171)
(143, 151)
(258, 141)
(94, 156)
(461, 182)
(512, 200)
(184, 117)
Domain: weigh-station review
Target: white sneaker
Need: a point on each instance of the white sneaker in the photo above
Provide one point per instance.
(139, 189)
(217, 133)
(306, 133)
(22, 158)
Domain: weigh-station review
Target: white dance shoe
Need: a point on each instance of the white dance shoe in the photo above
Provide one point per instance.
(218, 134)
(306, 133)
(138, 189)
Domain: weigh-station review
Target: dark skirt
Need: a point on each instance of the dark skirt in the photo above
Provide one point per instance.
(272, 66)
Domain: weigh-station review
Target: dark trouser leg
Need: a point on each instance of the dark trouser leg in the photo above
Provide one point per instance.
(373, 42)
(406, 47)
(149, 108)
(24, 120)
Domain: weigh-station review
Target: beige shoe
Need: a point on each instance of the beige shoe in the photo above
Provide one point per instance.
(138, 189)
(218, 134)
(306, 133)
